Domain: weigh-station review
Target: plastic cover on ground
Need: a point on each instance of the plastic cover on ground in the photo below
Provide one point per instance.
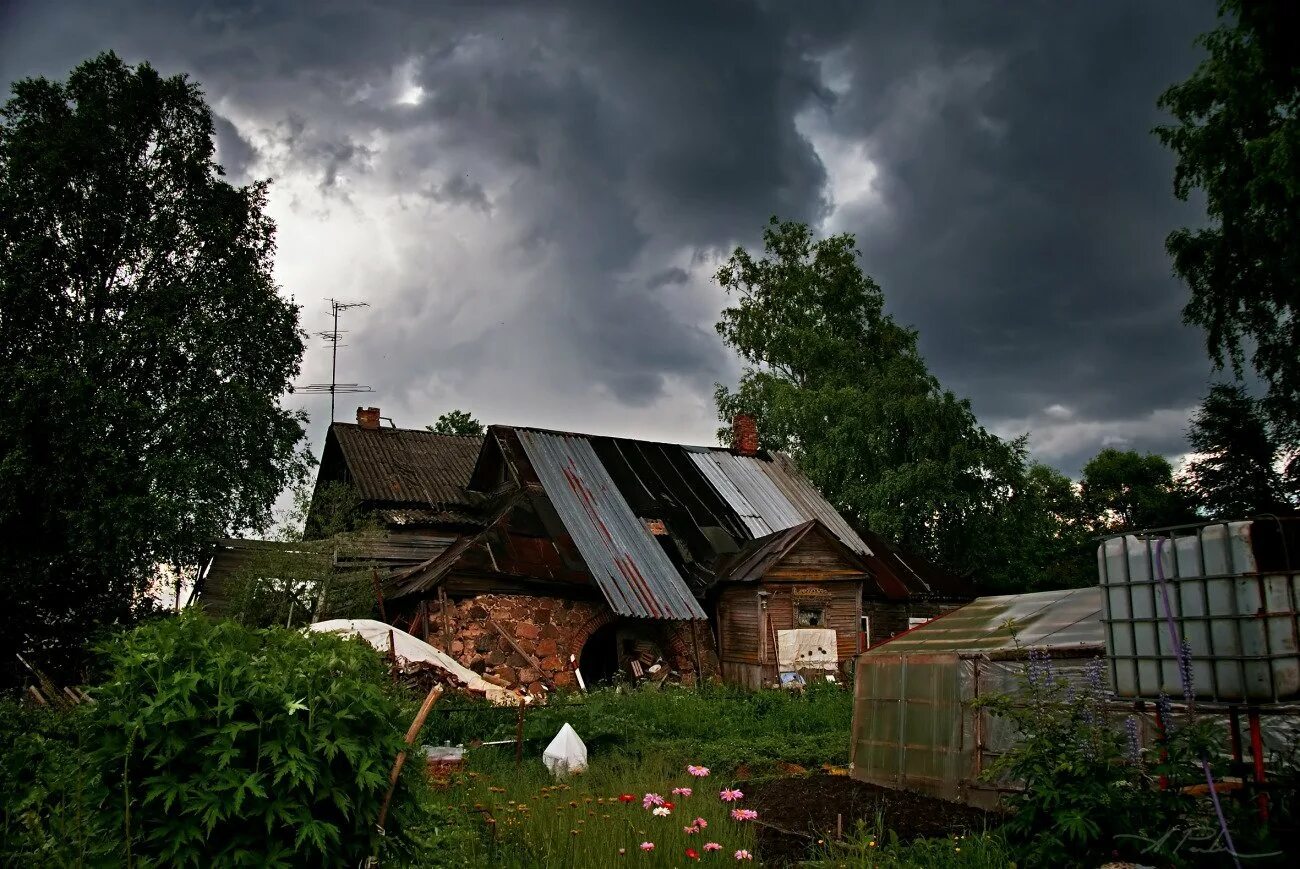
(566, 753)
(412, 650)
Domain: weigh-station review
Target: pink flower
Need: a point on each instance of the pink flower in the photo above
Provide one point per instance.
(742, 854)
(730, 795)
(743, 814)
(701, 823)
(651, 800)
(697, 771)
(647, 846)
(712, 846)
(681, 792)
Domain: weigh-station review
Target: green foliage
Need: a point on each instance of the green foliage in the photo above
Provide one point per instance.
(836, 383)
(871, 845)
(1237, 140)
(457, 422)
(223, 746)
(1123, 489)
(1089, 790)
(1236, 474)
(143, 351)
(49, 798)
(536, 817)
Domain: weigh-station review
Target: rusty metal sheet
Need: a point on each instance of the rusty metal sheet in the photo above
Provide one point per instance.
(629, 566)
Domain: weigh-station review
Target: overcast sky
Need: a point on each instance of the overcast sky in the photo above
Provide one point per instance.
(532, 197)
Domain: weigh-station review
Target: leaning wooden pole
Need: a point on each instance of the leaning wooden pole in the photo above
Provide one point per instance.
(434, 693)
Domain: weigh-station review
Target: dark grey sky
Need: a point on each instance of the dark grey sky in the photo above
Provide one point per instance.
(533, 196)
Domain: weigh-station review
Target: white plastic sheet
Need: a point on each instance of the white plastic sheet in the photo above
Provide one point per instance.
(412, 650)
(806, 648)
(566, 753)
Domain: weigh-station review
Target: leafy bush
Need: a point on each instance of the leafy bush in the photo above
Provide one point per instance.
(221, 745)
(1090, 789)
(48, 798)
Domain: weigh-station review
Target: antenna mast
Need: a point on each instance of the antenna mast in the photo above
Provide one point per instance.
(333, 336)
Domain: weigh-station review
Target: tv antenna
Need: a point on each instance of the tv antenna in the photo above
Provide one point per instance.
(332, 336)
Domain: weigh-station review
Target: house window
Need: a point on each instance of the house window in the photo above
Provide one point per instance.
(810, 617)
(866, 631)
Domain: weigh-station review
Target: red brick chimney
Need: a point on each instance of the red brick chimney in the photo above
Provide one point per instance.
(368, 418)
(744, 434)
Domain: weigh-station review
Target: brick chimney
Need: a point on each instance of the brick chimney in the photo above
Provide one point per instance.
(744, 434)
(368, 418)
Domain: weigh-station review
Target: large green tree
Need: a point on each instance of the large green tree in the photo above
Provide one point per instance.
(837, 383)
(1239, 469)
(143, 350)
(1125, 489)
(457, 422)
(1236, 137)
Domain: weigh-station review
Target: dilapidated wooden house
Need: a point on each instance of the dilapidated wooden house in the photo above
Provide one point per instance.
(546, 554)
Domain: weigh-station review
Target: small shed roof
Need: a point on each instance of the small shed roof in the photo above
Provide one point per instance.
(1065, 619)
(759, 556)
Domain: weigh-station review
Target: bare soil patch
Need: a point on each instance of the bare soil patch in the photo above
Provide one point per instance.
(798, 811)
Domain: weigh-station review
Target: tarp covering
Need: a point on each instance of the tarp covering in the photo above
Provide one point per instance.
(1068, 619)
(412, 650)
(566, 753)
(812, 648)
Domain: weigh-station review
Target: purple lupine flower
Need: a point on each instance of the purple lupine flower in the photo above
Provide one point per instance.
(1134, 743)
(1165, 710)
(1185, 673)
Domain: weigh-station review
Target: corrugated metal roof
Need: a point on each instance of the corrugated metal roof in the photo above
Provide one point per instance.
(631, 569)
(1065, 619)
(750, 492)
(771, 495)
(809, 502)
(407, 466)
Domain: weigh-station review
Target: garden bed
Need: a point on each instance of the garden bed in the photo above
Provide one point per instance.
(798, 811)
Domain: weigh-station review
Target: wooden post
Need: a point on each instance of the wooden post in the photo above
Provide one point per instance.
(379, 594)
(695, 642)
(411, 734)
(519, 735)
(424, 620)
(392, 654)
(446, 621)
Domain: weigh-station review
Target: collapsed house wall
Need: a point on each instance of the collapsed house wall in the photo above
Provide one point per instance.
(532, 642)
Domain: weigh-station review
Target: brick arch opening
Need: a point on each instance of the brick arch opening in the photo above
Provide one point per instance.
(596, 643)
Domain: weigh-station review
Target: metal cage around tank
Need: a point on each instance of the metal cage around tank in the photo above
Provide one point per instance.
(1226, 592)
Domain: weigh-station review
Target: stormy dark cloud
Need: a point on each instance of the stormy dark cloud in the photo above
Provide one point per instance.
(532, 196)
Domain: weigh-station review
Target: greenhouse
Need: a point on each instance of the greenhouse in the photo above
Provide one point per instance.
(914, 726)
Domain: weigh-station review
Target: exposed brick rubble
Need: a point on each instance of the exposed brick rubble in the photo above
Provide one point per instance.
(546, 631)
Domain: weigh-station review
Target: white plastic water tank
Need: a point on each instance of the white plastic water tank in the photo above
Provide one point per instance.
(1237, 620)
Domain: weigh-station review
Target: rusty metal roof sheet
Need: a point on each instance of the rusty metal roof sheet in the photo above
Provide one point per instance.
(771, 495)
(629, 566)
(407, 466)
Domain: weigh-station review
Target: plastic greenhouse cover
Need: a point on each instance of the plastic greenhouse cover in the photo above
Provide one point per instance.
(1070, 618)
